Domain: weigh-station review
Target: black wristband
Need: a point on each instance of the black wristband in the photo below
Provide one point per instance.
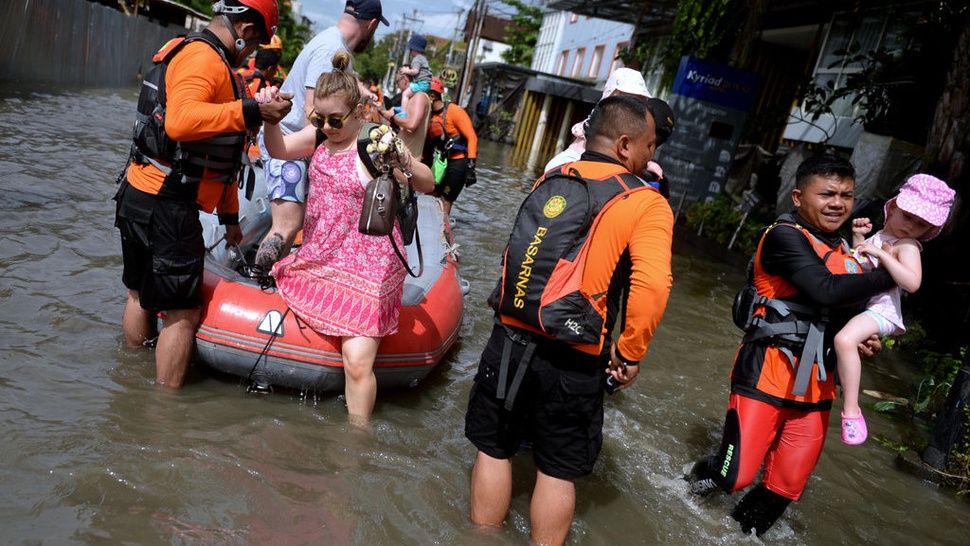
(625, 361)
(230, 219)
(251, 116)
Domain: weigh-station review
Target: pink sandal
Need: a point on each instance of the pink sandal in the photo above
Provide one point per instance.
(854, 430)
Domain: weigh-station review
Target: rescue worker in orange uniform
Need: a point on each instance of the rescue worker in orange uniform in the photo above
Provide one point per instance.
(264, 72)
(207, 118)
(452, 133)
(534, 386)
(783, 380)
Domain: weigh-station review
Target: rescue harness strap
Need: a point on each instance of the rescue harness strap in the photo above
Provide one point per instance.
(808, 333)
(509, 393)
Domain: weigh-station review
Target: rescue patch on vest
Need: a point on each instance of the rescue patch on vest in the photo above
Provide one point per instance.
(554, 206)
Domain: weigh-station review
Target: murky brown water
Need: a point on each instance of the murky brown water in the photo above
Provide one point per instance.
(94, 454)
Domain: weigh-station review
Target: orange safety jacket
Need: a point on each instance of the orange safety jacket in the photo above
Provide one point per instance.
(774, 355)
(456, 124)
(201, 103)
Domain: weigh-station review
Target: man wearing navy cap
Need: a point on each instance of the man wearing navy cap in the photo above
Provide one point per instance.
(287, 180)
(366, 10)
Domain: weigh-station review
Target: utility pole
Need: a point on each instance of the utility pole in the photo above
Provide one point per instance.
(480, 11)
(454, 38)
(395, 53)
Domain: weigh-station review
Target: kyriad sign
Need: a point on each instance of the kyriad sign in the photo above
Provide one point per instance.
(710, 102)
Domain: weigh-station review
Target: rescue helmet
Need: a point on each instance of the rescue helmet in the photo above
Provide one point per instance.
(268, 9)
(437, 86)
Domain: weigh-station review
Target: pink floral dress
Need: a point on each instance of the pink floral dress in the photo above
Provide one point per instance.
(341, 282)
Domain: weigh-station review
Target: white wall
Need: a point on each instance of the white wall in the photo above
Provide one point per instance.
(565, 32)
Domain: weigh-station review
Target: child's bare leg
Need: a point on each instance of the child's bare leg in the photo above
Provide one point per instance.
(405, 97)
(847, 341)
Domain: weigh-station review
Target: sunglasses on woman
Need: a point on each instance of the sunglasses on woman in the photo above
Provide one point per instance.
(334, 121)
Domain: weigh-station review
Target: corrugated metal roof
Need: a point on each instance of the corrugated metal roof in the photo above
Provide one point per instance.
(656, 14)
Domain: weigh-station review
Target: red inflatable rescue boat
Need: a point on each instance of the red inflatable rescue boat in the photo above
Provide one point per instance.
(247, 330)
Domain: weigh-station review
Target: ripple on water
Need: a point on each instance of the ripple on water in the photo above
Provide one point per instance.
(95, 452)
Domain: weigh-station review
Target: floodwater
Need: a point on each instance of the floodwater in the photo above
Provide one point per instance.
(95, 453)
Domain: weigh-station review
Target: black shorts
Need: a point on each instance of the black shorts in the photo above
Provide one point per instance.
(559, 407)
(162, 249)
(454, 180)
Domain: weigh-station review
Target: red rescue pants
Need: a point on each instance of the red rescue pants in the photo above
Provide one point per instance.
(788, 442)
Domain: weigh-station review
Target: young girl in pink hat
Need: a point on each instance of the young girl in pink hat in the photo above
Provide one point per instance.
(915, 215)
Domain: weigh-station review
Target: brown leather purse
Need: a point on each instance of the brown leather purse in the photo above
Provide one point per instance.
(381, 200)
(383, 203)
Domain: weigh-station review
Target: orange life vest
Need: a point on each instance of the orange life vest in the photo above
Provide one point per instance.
(792, 333)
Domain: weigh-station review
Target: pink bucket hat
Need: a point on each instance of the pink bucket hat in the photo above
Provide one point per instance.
(927, 197)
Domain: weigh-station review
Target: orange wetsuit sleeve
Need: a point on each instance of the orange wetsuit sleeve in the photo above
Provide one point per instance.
(642, 223)
(459, 122)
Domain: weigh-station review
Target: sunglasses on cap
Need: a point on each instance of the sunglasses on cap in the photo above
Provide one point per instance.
(334, 121)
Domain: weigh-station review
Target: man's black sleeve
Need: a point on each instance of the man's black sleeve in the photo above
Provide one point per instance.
(788, 253)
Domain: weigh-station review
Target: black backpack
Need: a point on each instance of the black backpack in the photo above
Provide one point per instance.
(541, 284)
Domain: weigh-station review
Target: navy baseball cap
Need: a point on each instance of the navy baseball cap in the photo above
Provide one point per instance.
(366, 9)
(663, 117)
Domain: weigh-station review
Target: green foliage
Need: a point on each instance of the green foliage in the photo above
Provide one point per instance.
(372, 64)
(648, 55)
(719, 219)
(500, 126)
(706, 29)
(928, 393)
(523, 33)
(293, 33)
(201, 6)
(959, 462)
(928, 390)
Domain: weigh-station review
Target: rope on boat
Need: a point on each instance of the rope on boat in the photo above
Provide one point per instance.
(210, 248)
(254, 386)
(452, 249)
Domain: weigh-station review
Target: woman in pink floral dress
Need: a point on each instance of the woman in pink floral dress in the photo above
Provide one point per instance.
(341, 282)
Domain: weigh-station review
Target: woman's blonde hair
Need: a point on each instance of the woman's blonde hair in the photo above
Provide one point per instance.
(338, 81)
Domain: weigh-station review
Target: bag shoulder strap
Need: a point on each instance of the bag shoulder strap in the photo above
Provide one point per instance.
(363, 139)
(417, 236)
(441, 142)
(404, 260)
